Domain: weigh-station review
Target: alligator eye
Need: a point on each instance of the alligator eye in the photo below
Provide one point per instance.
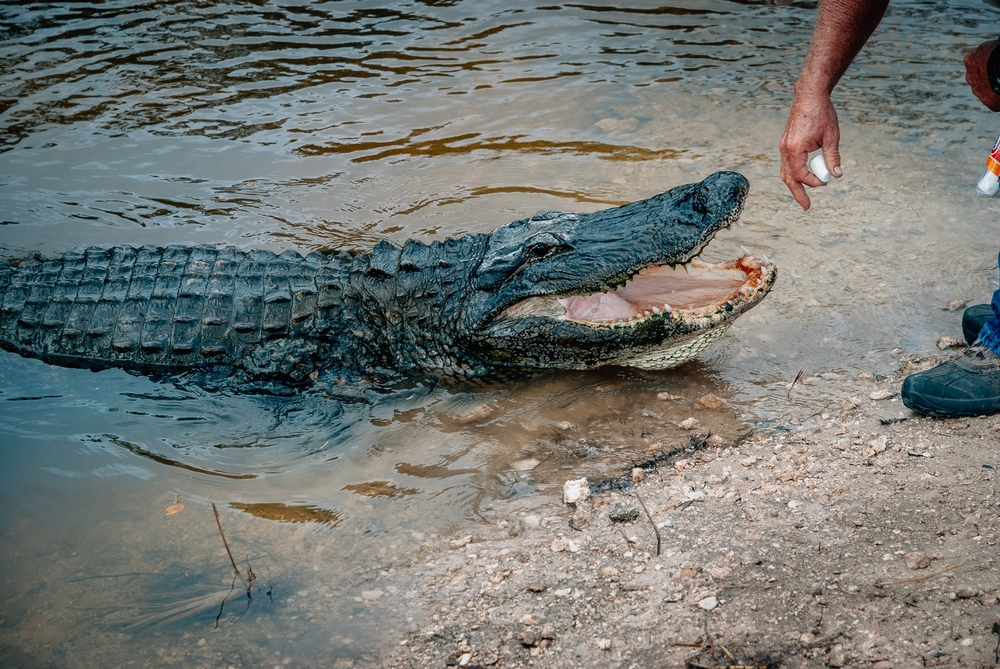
(541, 251)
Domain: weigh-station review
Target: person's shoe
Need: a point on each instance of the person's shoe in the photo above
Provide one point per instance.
(973, 320)
(969, 385)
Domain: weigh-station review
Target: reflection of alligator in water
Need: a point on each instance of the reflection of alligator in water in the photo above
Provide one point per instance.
(554, 290)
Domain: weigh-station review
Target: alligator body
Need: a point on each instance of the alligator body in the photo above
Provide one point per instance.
(551, 291)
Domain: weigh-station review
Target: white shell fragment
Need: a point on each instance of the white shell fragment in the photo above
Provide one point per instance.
(576, 491)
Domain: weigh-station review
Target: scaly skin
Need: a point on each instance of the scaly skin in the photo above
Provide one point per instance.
(448, 307)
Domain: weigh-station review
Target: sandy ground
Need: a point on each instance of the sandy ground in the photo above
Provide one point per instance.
(866, 541)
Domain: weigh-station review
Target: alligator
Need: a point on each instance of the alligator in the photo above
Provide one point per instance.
(622, 286)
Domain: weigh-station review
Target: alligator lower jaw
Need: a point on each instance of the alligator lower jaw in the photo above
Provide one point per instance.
(699, 290)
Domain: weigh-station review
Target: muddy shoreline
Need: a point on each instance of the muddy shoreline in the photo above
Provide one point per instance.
(867, 540)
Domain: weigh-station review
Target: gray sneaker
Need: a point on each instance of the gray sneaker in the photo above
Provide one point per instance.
(969, 385)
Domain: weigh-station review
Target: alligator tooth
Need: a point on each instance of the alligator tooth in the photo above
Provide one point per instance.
(646, 314)
(687, 267)
(672, 265)
(764, 258)
(667, 308)
(739, 221)
(729, 302)
(656, 310)
(746, 251)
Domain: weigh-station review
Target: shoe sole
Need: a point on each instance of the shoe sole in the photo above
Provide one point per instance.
(958, 409)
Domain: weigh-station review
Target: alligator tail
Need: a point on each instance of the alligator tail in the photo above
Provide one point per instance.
(161, 307)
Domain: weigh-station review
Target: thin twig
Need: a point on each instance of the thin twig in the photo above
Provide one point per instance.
(794, 381)
(657, 531)
(231, 588)
(746, 514)
(628, 542)
(224, 542)
(917, 579)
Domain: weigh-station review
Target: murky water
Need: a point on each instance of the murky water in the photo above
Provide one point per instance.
(316, 125)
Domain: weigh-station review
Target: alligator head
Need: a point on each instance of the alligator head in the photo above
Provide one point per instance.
(622, 286)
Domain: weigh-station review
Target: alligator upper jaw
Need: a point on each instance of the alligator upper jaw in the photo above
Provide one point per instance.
(660, 291)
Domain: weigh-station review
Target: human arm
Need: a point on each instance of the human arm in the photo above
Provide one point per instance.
(975, 74)
(842, 28)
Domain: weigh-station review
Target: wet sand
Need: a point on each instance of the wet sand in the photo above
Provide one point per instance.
(866, 541)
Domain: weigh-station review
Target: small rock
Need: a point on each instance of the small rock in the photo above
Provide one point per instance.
(623, 512)
(667, 397)
(516, 527)
(688, 423)
(464, 659)
(806, 638)
(955, 305)
(884, 664)
(719, 573)
(638, 474)
(949, 342)
(535, 586)
(709, 603)
(531, 520)
(575, 491)
(479, 413)
(716, 441)
(877, 445)
(610, 572)
(604, 644)
(838, 657)
(709, 401)
(882, 394)
(849, 404)
(560, 544)
(524, 465)
(917, 560)
(965, 592)
(371, 595)
(458, 543)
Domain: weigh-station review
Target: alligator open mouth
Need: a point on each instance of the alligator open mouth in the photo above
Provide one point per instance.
(676, 311)
(691, 290)
(697, 288)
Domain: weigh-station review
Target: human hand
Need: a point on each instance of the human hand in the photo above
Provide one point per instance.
(812, 124)
(975, 74)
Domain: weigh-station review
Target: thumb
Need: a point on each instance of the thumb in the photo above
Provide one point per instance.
(831, 155)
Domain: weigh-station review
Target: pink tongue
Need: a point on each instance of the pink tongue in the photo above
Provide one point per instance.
(599, 307)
